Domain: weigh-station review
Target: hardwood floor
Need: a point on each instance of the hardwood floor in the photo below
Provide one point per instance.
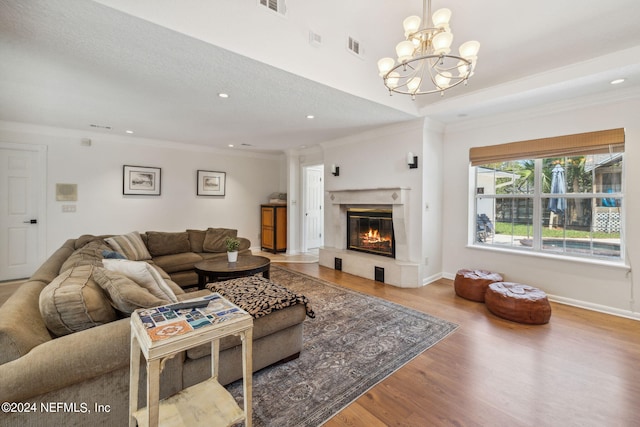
(581, 369)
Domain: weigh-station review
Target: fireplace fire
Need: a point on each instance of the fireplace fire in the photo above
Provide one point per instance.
(371, 231)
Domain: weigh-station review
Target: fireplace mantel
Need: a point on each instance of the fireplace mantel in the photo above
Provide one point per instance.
(400, 271)
(370, 196)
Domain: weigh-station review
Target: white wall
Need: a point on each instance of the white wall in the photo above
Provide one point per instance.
(101, 207)
(596, 286)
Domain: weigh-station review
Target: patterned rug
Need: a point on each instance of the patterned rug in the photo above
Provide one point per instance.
(354, 342)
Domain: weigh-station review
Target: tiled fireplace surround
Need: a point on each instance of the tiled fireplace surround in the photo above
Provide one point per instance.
(399, 271)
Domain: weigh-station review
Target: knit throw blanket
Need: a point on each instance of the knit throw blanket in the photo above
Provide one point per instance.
(259, 296)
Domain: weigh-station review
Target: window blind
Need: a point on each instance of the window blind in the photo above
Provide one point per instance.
(599, 142)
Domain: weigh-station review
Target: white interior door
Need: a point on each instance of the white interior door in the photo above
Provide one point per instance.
(313, 210)
(21, 242)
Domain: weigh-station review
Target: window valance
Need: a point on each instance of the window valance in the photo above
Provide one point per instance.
(599, 142)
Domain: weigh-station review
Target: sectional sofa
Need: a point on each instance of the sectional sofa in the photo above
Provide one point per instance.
(60, 367)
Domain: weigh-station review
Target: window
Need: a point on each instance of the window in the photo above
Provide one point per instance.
(559, 195)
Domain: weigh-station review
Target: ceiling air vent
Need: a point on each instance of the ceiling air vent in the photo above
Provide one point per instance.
(275, 5)
(354, 47)
(315, 39)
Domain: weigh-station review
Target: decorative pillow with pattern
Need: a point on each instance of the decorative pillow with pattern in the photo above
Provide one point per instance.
(130, 245)
(144, 275)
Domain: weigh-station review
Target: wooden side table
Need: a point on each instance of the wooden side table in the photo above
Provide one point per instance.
(203, 404)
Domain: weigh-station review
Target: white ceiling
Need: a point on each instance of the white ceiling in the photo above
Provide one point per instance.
(156, 66)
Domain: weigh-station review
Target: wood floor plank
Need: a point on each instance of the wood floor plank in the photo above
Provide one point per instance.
(581, 369)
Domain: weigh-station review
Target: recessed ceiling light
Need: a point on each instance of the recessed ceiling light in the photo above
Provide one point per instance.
(230, 145)
(223, 95)
(617, 81)
(311, 116)
(129, 131)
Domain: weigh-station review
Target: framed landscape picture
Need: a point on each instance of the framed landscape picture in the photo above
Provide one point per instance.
(211, 183)
(141, 180)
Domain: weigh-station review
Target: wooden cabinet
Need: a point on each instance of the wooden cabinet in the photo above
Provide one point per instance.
(274, 228)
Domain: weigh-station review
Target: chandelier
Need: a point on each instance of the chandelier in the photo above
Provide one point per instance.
(425, 64)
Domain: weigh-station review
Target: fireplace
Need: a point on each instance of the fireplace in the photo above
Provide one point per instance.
(371, 231)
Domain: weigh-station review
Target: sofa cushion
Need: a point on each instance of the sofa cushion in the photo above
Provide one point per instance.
(215, 237)
(125, 294)
(130, 245)
(196, 238)
(177, 262)
(160, 243)
(89, 254)
(144, 275)
(73, 302)
(262, 326)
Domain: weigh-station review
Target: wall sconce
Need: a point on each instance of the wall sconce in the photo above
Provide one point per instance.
(412, 160)
(335, 170)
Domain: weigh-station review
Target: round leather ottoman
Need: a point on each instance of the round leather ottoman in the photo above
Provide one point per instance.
(472, 284)
(519, 303)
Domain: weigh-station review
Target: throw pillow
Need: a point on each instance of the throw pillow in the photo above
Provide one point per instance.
(196, 238)
(125, 294)
(160, 243)
(130, 245)
(144, 275)
(214, 239)
(73, 302)
(112, 255)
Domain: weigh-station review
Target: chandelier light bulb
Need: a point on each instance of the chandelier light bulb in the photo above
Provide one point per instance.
(441, 18)
(385, 65)
(411, 25)
(405, 51)
(443, 79)
(469, 49)
(463, 68)
(414, 84)
(442, 43)
(392, 80)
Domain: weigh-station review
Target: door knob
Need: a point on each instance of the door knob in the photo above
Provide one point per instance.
(31, 221)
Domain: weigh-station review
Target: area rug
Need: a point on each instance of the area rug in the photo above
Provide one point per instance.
(354, 342)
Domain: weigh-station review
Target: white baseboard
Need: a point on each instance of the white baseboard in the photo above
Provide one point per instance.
(431, 279)
(595, 307)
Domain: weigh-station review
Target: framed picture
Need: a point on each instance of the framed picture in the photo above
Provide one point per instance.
(211, 183)
(141, 180)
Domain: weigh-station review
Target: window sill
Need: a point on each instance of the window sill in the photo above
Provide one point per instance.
(555, 257)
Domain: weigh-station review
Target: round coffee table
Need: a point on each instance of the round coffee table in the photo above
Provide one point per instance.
(215, 270)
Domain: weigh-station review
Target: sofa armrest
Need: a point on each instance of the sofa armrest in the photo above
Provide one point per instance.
(244, 243)
(65, 361)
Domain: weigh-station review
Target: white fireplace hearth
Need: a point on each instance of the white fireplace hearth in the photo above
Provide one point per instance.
(400, 271)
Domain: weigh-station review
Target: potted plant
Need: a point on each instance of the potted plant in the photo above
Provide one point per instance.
(232, 248)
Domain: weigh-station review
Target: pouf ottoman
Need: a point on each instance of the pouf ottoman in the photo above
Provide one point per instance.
(519, 303)
(472, 284)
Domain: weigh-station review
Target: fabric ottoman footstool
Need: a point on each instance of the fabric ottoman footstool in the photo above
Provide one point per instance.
(472, 284)
(519, 303)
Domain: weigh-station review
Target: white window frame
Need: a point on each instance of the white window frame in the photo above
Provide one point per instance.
(537, 198)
